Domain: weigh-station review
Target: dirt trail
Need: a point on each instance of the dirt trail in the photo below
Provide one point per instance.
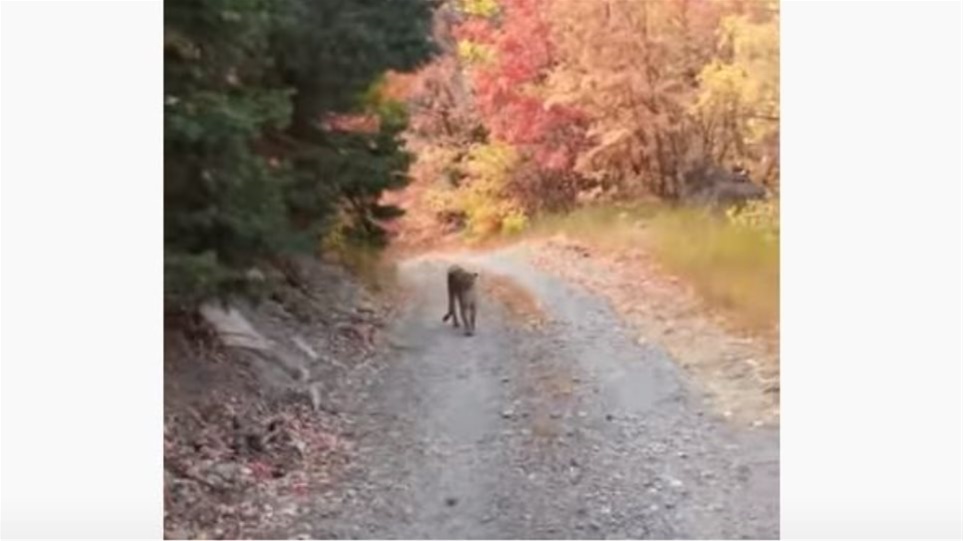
(559, 426)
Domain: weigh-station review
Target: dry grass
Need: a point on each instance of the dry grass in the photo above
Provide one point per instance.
(609, 226)
(732, 267)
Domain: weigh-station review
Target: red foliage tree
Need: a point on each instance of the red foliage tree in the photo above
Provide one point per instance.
(507, 88)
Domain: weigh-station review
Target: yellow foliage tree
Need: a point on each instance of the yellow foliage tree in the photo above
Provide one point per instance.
(485, 199)
(738, 101)
(474, 53)
(479, 8)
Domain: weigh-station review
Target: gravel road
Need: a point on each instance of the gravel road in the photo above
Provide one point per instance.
(572, 429)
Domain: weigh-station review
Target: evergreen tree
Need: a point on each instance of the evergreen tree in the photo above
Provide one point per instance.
(253, 168)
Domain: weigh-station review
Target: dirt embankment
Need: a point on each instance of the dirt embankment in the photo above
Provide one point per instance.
(252, 419)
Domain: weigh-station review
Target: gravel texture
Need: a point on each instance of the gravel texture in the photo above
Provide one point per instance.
(569, 428)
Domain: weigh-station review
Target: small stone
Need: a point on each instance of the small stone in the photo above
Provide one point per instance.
(224, 473)
(289, 510)
(315, 393)
(683, 454)
(508, 413)
(255, 275)
(249, 512)
(675, 483)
